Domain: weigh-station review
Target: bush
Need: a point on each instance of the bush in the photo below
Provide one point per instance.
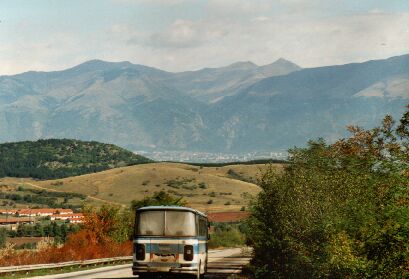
(159, 198)
(226, 235)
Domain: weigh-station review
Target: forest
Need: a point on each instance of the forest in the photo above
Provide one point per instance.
(59, 158)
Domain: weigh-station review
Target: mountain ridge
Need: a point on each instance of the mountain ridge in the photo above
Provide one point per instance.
(233, 109)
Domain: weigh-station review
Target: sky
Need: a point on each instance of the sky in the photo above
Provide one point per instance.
(181, 35)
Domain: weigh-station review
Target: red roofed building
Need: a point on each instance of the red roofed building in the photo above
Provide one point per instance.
(12, 220)
(43, 211)
(8, 211)
(12, 223)
(73, 218)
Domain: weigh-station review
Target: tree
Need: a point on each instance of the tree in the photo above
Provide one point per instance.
(338, 210)
(109, 223)
(159, 198)
(3, 237)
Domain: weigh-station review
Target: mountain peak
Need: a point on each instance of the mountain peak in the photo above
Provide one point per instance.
(279, 67)
(97, 64)
(242, 65)
(284, 62)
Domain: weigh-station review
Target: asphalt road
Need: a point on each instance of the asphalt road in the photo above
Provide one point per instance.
(222, 263)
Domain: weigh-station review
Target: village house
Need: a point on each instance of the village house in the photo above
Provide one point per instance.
(31, 212)
(8, 211)
(72, 218)
(12, 223)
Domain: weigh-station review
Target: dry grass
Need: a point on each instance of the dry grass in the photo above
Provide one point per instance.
(122, 185)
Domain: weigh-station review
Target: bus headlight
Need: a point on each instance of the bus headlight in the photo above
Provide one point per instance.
(139, 252)
(188, 253)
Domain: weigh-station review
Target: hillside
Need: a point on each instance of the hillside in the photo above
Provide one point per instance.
(289, 110)
(197, 185)
(213, 84)
(57, 158)
(241, 107)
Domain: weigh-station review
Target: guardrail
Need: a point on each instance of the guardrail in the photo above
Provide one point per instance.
(26, 268)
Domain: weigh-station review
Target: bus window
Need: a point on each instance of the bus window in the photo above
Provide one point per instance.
(180, 223)
(166, 223)
(202, 227)
(151, 223)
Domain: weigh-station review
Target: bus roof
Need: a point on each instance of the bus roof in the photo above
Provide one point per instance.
(171, 207)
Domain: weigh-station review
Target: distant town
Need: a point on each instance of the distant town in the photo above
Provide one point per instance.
(205, 157)
(12, 218)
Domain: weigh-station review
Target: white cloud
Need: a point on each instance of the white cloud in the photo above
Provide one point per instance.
(228, 31)
(308, 42)
(186, 33)
(151, 2)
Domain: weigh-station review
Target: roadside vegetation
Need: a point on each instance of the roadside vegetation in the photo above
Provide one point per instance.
(58, 231)
(58, 158)
(227, 235)
(105, 233)
(337, 210)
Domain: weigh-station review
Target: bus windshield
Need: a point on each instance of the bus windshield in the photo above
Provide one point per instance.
(166, 223)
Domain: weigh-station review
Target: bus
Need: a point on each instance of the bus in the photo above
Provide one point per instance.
(170, 240)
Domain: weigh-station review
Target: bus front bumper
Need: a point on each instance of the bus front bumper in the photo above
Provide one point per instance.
(180, 268)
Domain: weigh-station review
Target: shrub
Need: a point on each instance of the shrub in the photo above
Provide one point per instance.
(159, 198)
(226, 235)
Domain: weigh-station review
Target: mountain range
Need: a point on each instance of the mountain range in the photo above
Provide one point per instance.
(238, 108)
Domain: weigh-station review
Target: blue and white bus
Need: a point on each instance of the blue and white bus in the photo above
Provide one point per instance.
(170, 239)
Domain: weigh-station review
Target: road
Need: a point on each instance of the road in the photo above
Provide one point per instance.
(222, 263)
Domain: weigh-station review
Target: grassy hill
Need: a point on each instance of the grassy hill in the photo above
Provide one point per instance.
(57, 158)
(204, 188)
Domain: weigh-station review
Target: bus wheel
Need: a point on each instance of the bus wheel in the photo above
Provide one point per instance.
(202, 276)
(198, 275)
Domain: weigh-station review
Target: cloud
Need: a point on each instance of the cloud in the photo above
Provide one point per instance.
(152, 2)
(224, 32)
(308, 42)
(186, 34)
